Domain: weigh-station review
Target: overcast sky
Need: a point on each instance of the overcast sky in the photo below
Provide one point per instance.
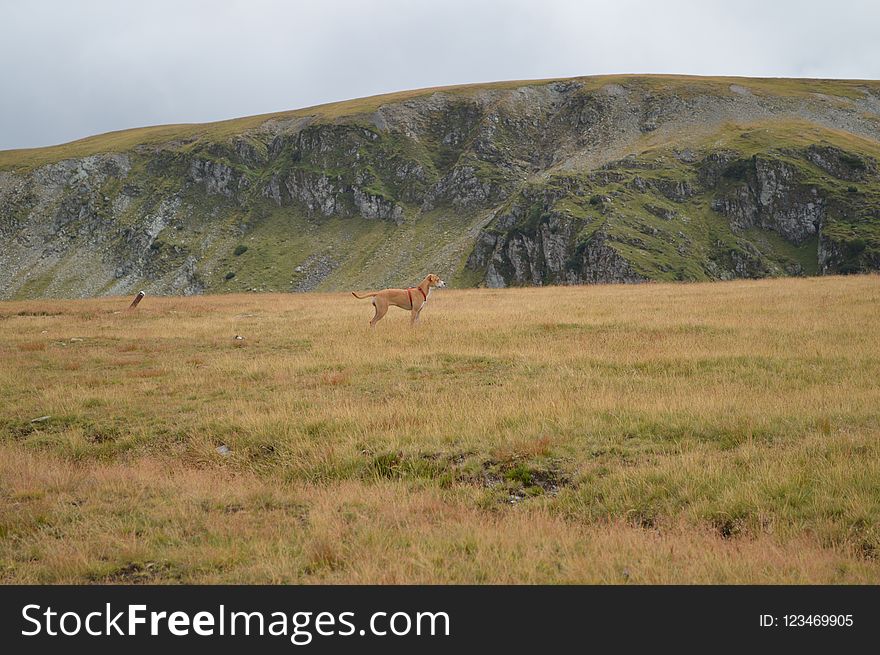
(69, 69)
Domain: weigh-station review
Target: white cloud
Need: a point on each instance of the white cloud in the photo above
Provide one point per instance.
(74, 69)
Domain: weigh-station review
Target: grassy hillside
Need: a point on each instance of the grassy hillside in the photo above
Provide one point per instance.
(721, 432)
(617, 178)
(123, 140)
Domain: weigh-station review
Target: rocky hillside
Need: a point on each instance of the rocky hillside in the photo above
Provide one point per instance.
(599, 179)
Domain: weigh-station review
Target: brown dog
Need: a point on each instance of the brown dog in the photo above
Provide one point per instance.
(413, 298)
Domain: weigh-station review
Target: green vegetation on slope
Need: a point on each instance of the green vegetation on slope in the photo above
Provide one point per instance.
(597, 179)
(124, 140)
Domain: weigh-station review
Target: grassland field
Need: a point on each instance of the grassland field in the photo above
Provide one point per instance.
(658, 433)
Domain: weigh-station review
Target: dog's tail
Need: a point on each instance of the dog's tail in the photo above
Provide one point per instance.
(369, 295)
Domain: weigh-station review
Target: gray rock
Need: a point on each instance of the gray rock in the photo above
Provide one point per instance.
(771, 196)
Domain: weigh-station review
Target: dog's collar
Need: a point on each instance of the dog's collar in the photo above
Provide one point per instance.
(409, 294)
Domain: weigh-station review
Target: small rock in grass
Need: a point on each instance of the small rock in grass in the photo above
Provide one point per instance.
(238, 337)
(223, 449)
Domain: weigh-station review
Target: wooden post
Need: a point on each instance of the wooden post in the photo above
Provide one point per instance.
(137, 299)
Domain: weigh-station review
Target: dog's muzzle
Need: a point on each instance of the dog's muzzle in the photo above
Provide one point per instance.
(441, 284)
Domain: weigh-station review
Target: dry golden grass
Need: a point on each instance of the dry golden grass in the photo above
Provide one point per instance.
(720, 432)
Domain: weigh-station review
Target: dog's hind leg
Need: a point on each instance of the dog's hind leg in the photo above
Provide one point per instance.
(381, 306)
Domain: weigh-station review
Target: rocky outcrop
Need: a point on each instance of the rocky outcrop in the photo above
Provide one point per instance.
(330, 196)
(769, 194)
(373, 206)
(839, 254)
(218, 178)
(842, 164)
(599, 262)
(675, 190)
(463, 189)
(70, 235)
(317, 192)
(549, 258)
(531, 245)
(574, 230)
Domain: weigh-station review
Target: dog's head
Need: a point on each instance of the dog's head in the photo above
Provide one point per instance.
(435, 281)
